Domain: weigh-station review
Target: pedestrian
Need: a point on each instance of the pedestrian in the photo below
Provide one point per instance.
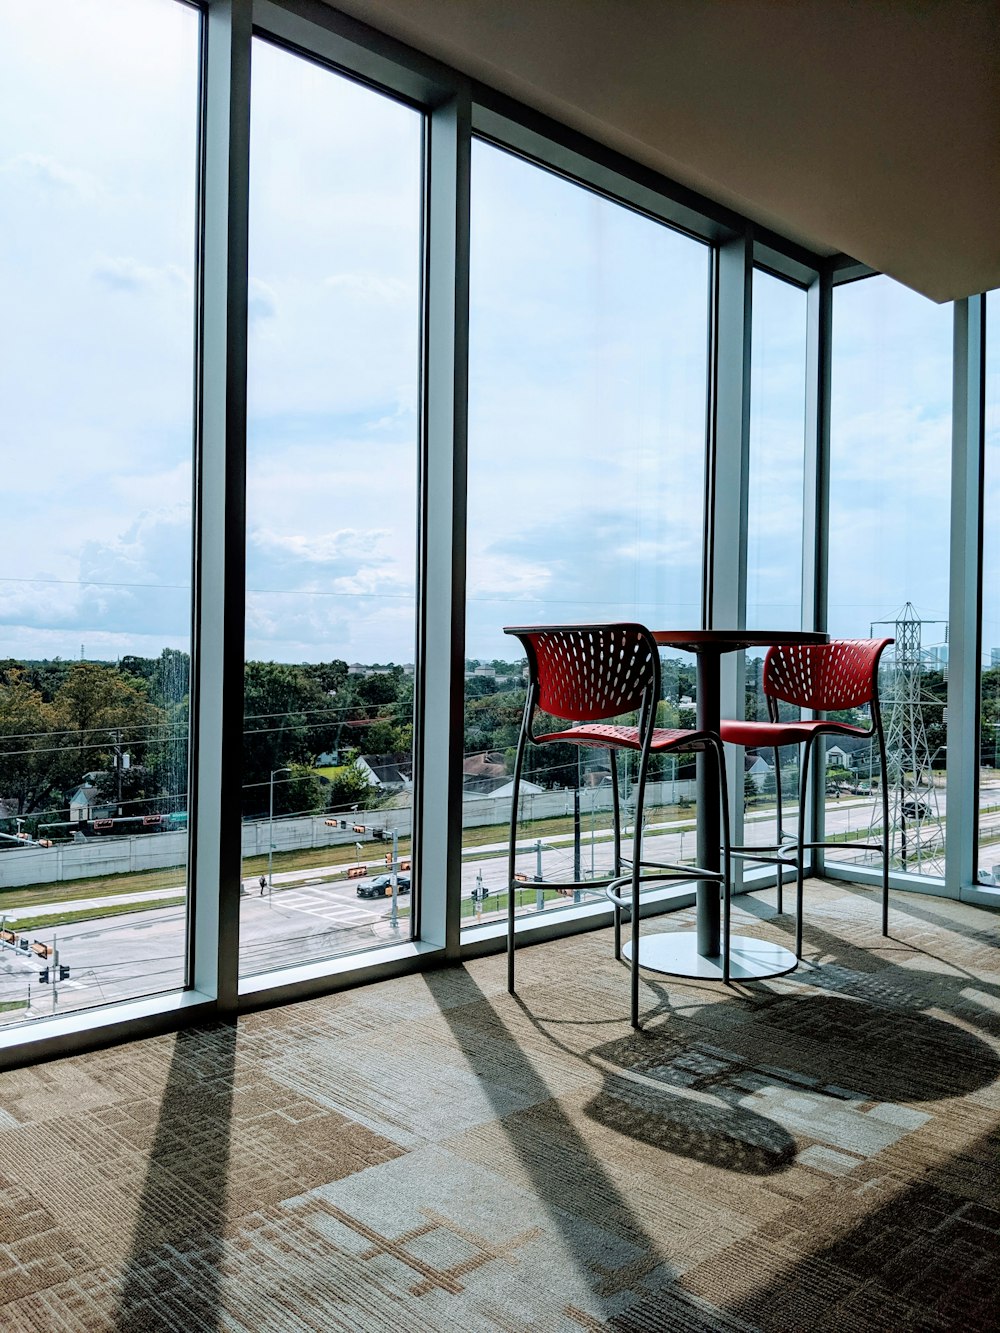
(263, 884)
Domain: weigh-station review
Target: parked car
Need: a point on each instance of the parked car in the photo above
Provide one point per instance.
(382, 886)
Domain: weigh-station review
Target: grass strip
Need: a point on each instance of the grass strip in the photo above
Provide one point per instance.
(71, 917)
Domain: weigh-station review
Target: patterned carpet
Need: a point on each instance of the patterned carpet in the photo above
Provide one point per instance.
(814, 1152)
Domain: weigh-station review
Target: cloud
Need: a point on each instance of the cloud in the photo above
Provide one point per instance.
(367, 286)
(51, 174)
(328, 548)
(124, 274)
(262, 303)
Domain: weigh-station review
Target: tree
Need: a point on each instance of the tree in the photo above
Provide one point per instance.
(382, 738)
(302, 793)
(27, 762)
(102, 715)
(289, 719)
(331, 677)
(378, 689)
(349, 787)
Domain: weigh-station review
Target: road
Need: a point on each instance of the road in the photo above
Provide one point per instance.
(316, 914)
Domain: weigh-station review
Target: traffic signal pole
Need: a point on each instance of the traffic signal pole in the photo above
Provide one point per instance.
(394, 870)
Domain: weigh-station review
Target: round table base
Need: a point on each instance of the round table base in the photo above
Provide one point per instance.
(675, 953)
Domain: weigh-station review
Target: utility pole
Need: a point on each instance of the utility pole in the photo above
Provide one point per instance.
(270, 823)
(912, 795)
(395, 880)
(539, 895)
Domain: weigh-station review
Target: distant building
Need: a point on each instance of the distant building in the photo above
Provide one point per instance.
(757, 767)
(485, 764)
(387, 772)
(84, 804)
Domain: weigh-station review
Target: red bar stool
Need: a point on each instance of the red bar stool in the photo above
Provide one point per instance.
(586, 674)
(824, 677)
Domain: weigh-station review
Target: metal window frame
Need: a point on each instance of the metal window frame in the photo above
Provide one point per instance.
(458, 108)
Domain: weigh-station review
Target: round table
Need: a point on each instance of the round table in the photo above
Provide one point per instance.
(697, 953)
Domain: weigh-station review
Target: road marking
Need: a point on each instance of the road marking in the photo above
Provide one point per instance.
(317, 904)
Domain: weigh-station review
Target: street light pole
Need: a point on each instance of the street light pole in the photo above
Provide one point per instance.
(270, 822)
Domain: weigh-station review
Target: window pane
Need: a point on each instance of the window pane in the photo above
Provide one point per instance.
(774, 533)
(586, 476)
(989, 739)
(98, 174)
(889, 548)
(335, 212)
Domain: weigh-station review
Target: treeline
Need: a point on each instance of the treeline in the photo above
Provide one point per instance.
(123, 729)
(493, 711)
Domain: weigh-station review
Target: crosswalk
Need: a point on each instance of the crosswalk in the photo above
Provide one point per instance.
(316, 902)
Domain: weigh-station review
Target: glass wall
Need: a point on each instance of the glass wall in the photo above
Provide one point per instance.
(989, 728)
(774, 527)
(98, 175)
(332, 454)
(589, 374)
(889, 551)
(587, 411)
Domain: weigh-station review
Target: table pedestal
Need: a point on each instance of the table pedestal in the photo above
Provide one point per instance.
(675, 953)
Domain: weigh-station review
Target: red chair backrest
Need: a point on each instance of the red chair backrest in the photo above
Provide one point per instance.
(588, 672)
(825, 676)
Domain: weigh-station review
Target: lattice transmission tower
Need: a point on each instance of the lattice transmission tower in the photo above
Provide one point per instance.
(916, 832)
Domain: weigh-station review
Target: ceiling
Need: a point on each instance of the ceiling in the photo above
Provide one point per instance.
(869, 128)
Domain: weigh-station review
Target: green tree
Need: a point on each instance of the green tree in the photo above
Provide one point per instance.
(302, 792)
(27, 762)
(102, 715)
(349, 787)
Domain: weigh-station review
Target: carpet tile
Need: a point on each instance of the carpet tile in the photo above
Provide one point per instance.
(430, 1155)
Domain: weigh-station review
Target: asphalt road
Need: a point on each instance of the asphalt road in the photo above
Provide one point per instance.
(315, 914)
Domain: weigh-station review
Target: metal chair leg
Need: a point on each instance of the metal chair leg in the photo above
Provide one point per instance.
(777, 793)
(511, 855)
(640, 791)
(727, 866)
(618, 848)
(634, 976)
(885, 836)
(800, 851)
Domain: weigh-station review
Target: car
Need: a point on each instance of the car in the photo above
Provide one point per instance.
(382, 886)
(915, 809)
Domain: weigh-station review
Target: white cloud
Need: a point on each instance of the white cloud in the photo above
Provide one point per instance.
(50, 173)
(321, 549)
(262, 303)
(369, 286)
(125, 274)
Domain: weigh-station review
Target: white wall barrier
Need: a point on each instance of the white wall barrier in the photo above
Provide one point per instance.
(23, 866)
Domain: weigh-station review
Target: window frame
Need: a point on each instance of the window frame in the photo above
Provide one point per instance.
(456, 108)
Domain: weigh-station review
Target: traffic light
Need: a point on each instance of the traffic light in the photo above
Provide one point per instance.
(43, 976)
(388, 858)
(63, 972)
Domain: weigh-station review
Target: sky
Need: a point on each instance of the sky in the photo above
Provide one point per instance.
(587, 377)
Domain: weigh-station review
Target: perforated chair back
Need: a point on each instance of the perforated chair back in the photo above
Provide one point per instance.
(825, 676)
(587, 672)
